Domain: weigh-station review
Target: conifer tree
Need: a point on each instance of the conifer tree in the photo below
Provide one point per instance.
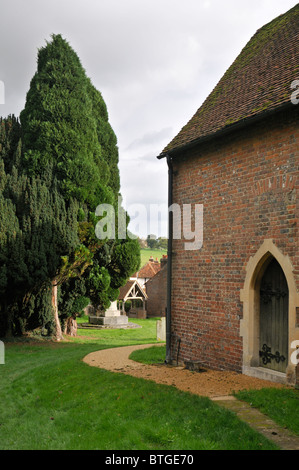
(55, 168)
(10, 142)
(36, 231)
(69, 144)
(60, 134)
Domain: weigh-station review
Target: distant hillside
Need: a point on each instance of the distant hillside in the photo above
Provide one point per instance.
(146, 253)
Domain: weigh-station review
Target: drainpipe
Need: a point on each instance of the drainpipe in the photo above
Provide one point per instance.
(169, 261)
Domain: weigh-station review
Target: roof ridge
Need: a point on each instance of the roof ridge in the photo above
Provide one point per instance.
(282, 15)
(251, 85)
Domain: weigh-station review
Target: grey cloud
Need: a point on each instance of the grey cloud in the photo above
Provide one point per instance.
(154, 62)
(152, 138)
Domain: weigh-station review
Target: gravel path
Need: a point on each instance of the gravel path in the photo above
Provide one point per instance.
(213, 384)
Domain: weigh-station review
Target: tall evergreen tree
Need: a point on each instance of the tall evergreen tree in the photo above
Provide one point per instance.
(10, 142)
(69, 144)
(36, 230)
(54, 170)
(106, 138)
(59, 127)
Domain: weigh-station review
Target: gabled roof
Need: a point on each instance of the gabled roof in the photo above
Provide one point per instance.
(157, 277)
(132, 290)
(149, 270)
(258, 82)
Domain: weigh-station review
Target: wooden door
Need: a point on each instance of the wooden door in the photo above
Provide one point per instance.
(274, 305)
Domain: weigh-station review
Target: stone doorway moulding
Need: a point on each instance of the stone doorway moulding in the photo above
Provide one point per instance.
(249, 325)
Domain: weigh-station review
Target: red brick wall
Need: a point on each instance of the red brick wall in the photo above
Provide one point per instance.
(247, 183)
(156, 289)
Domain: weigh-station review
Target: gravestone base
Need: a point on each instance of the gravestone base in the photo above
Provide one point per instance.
(111, 318)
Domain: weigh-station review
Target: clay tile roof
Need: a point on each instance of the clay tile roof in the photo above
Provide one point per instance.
(150, 269)
(258, 81)
(125, 289)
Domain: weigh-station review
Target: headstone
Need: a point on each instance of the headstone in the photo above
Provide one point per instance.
(2, 353)
(161, 329)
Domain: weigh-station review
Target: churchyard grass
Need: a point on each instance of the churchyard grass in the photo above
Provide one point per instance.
(52, 400)
(280, 405)
(151, 355)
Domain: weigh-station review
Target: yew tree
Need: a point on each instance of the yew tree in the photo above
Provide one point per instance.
(68, 144)
(36, 230)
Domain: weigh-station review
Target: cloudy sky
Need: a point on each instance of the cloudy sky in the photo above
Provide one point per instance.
(153, 61)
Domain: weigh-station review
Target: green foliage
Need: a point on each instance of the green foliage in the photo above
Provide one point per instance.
(36, 229)
(66, 133)
(155, 243)
(98, 284)
(36, 312)
(107, 139)
(56, 166)
(10, 142)
(72, 298)
(112, 266)
(59, 134)
(125, 261)
(80, 303)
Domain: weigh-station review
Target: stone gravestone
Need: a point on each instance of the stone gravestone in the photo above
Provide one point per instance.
(111, 318)
(161, 329)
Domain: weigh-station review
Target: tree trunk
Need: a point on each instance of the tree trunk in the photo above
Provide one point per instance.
(71, 326)
(58, 334)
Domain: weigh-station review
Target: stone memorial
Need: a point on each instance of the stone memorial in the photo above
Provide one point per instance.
(111, 318)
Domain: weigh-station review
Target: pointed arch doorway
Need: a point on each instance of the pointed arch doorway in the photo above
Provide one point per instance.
(273, 321)
(268, 326)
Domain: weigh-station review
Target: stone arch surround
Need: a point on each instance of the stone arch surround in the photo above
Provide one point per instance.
(249, 325)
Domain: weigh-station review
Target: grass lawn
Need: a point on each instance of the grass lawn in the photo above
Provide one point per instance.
(280, 405)
(146, 253)
(152, 355)
(51, 400)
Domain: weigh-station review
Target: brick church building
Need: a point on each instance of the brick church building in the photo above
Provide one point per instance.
(234, 303)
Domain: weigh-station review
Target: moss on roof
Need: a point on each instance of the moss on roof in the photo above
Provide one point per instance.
(259, 80)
